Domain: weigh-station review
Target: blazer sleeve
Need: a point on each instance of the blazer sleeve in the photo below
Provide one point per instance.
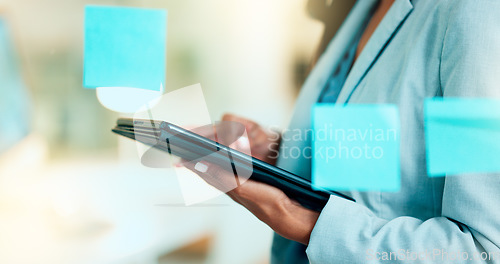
(468, 229)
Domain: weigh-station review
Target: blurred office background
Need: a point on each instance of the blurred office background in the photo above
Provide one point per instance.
(67, 194)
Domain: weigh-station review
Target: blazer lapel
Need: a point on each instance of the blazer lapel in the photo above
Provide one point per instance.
(315, 83)
(394, 18)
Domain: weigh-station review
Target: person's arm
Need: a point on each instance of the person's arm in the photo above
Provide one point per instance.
(470, 221)
(267, 203)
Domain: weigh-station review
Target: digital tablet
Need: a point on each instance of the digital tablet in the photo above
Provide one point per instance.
(191, 146)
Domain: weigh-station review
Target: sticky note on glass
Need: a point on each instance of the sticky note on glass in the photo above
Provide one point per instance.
(356, 147)
(124, 47)
(462, 135)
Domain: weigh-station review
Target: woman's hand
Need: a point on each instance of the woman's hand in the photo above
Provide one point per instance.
(285, 216)
(271, 205)
(263, 144)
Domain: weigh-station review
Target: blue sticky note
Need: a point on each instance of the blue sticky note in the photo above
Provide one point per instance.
(356, 147)
(462, 135)
(125, 47)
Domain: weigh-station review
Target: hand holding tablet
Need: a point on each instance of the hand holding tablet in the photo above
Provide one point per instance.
(193, 147)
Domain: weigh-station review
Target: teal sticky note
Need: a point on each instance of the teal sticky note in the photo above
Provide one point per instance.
(356, 147)
(124, 47)
(462, 135)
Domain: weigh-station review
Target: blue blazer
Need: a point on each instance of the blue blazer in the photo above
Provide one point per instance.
(421, 48)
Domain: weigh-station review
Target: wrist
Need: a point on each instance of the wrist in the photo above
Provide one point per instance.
(299, 220)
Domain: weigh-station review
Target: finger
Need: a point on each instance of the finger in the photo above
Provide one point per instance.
(230, 117)
(229, 131)
(181, 163)
(225, 132)
(214, 175)
(207, 131)
(249, 124)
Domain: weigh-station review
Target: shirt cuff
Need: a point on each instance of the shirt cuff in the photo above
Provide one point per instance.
(331, 232)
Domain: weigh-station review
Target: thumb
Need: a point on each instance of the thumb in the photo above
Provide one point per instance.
(214, 175)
